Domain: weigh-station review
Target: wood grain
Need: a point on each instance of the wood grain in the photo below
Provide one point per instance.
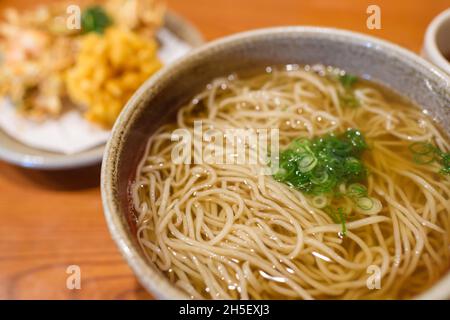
(49, 221)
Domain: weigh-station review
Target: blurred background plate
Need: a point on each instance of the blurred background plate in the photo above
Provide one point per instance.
(22, 155)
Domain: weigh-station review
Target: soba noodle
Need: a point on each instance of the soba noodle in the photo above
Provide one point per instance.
(222, 231)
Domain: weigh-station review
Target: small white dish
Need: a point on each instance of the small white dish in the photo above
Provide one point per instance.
(436, 47)
(21, 154)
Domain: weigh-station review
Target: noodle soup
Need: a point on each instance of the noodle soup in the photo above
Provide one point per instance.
(357, 207)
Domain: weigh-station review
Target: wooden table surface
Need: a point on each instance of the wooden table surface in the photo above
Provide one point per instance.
(50, 220)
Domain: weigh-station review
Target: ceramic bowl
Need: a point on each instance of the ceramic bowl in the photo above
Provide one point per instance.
(436, 47)
(22, 155)
(160, 97)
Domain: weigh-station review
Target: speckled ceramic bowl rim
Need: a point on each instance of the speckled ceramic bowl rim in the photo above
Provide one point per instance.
(152, 279)
(58, 161)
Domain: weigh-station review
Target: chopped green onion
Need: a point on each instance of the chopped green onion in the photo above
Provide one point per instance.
(95, 19)
(357, 190)
(424, 158)
(300, 145)
(356, 138)
(426, 153)
(445, 161)
(338, 216)
(348, 99)
(306, 163)
(319, 201)
(364, 203)
(342, 219)
(319, 176)
(421, 148)
(348, 80)
(320, 165)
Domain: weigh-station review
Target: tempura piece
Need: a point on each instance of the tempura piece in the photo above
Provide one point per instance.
(34, 57)
(141, 16)
(96, 68)
(104, 76)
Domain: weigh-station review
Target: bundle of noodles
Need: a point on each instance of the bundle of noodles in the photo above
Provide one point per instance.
(222, 231)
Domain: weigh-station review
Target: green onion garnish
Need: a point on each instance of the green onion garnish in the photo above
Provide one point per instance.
(356, 190)
(364, 203)
(319, 201)
(347, 98)
(338, 216)
(94, 19)
(348, 80)
(426, 153)
(342, 219)
(319, 165)
(421, 148)
(319, 176)
(306, 162)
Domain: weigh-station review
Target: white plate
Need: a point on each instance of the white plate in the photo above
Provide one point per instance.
(23, 155)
